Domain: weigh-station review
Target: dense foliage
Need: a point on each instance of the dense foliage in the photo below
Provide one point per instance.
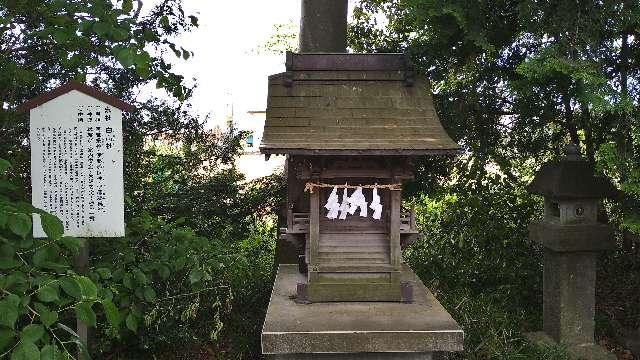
(40, 291)
(200, 240)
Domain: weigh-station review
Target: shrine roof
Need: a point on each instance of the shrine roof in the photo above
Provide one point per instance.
(333, 104)
(78, 86)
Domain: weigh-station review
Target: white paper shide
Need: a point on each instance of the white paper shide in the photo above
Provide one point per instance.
(76, 165)
(349, 205)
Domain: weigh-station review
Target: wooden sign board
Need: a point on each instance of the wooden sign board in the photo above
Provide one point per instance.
(76, 164)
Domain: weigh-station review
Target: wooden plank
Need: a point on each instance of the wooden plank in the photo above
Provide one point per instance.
(355, 268)
(334, 113)
(368, 257)
(324, 102)
(353, 292)
(292, 122)
(346, 89)
(354, 143)
(344, 61)
(351, 261)
(352, 248)
(415, 132)
(356, 238)
(341, 278)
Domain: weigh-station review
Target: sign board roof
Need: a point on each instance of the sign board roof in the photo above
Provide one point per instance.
(75, 85)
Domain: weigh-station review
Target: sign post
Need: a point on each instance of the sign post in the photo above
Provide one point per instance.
(77, 164)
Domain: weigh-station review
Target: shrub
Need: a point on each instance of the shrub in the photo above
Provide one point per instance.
(40, 292)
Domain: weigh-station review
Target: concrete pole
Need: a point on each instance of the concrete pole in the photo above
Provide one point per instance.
(323, 26)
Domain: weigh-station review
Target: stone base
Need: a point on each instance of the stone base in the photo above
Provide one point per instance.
(361, 356)
(577, 352)
(354, 330)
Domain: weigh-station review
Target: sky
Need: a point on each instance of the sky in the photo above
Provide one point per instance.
(225, 66)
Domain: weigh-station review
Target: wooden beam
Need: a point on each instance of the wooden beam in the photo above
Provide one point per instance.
(346, 62)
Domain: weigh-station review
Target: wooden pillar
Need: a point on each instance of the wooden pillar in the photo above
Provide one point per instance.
(394, 230)
(323, 26)
(314, 228)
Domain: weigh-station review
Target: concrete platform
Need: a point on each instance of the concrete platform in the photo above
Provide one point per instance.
(336, 330)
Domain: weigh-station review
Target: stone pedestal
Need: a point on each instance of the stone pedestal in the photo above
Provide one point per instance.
(356, 330)
(569, 296)
(570, 255)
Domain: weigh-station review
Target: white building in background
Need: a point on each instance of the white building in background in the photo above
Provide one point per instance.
(252, 163)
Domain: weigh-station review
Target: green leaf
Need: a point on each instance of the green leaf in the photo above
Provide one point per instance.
(87, 286)
(132, 323)
(4, 166)
(31, 333)
(48, 293)
(26, 351)
(7, 263)
(104, 273)
(52, 226)
(195, 276)
(101, 28)
(47, 317)
(194, 20)
(164, 21)
(85, 314)
(72, 243)
(40, 257)
(149, 294)
(112, 314)
(50, 352)
(6, 338)
(127, 281)
(71, 287)
(20, 224)
(127, 5)
(60, 36)
(164, 272)
(141, 278)
(185, 54)
(8, 313)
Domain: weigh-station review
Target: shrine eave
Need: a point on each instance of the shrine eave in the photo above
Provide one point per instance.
(352, 152)
(70, 86)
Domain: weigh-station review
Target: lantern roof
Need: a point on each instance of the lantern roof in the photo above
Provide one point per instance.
(571, 177)
(78, 86)
(344, 104)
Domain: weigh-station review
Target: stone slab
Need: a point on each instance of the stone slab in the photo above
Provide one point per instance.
(361, 356)
(421, 327)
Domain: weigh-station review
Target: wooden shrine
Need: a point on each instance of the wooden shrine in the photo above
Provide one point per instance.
(354, 120)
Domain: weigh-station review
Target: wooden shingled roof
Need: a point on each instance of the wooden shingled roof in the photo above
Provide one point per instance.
(339, 104)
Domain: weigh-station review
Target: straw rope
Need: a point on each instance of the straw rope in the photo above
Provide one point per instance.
(308, 187)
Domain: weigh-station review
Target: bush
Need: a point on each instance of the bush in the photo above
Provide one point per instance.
(40, 292)
(476, 257)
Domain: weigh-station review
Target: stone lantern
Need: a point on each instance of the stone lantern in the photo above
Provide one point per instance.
(572, 237)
